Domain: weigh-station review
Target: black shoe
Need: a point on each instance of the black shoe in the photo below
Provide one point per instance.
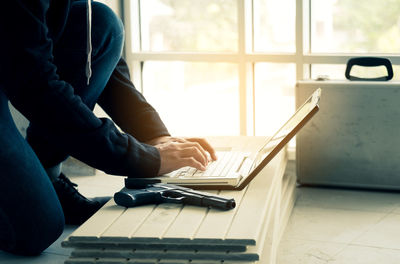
(77, 208)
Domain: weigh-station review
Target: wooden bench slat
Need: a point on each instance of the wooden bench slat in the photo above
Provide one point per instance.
(98, 223)
(131, 219)
(216, 224)
(187, 222)
(169, 254)
(255, 205)
(158, 222)
(158, 246)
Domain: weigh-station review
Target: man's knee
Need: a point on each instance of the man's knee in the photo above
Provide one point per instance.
(31, 235)
(34, 244)
(107, 28)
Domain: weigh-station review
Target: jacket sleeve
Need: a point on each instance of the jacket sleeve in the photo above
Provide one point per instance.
(29, 79)
(127, 106)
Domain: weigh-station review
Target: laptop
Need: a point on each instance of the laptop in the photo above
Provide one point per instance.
(235, 169)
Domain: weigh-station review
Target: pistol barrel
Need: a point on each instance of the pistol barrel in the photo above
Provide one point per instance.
(218, 202)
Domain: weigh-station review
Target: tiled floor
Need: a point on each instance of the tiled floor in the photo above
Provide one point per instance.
(342, 226)
(326, 226)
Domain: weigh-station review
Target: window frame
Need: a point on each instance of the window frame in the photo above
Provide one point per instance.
(245, 58)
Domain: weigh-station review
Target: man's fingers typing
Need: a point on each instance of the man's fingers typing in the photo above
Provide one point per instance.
(205, 145)
(195, 153)
(175, 155)
(192, 162)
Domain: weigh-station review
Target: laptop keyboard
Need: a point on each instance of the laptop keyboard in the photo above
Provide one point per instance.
(227, 165)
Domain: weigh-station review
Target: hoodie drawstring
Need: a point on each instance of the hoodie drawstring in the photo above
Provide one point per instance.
(89, 41)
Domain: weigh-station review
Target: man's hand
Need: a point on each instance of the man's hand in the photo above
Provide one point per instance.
(181, 152)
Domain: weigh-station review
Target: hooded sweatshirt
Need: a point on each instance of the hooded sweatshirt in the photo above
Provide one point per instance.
(29, 79)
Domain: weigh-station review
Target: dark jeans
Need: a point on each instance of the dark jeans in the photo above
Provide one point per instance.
(31, 217)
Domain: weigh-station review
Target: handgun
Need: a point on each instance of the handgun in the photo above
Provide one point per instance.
(167, 193)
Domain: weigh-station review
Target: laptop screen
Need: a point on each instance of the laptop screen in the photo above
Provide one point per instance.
(287, 131)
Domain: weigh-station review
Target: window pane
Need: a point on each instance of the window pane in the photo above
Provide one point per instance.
(194, 98)
(274, 25)
(189, 25)
(331, 71)
(355, 26)
(274, 96)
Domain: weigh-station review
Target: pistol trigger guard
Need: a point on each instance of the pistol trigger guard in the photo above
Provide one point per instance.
(172, 197)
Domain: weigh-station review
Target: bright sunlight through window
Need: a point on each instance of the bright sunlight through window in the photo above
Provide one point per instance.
(229, 67)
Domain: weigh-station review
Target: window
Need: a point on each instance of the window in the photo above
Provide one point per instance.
(229, 67)
(188, 25)
(348, 26)
(191, 97)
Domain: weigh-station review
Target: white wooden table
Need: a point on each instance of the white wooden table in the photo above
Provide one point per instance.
(173, 233)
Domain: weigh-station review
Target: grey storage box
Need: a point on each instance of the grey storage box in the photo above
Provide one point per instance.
(354, 140)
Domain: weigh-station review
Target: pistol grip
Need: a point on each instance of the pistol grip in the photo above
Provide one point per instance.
(134, 198)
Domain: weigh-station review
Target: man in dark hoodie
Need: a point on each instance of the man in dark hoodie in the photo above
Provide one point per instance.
(57, 61)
